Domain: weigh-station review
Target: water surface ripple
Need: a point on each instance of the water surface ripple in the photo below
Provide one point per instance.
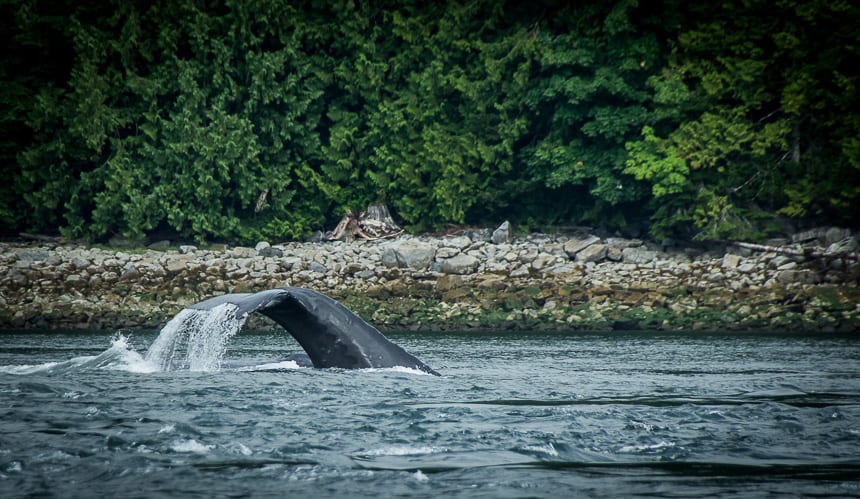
(513, 415)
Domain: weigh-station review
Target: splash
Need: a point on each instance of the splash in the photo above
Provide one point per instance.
(119, 357)
(195, 339)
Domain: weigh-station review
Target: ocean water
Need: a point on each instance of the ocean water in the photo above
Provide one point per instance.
(91, 414)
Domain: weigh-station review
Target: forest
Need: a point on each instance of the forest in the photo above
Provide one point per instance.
(246, 120)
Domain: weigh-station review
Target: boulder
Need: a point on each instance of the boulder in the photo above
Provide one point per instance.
(460, 264)
(614, 253)
(575, 246)
(592, 253)
(502, 234)
(621, 243)
(731, 261)
(459, 242)
(408, 254)
(271, 252)
(638, 255)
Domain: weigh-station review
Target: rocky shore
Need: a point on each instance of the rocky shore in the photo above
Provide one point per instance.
(478, 279)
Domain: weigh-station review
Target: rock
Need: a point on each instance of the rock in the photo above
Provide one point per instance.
(614, 254)
(621, 243)
(317, 267)
(638, 255)
(262, 245)
(592, 253)
(448, 282)
(408, 254)
(460, 264)
(175, 266)
(444, 253)
(502, 234)
(270, 252)
(243, 252)
(836, 234)
(186, 249)
(797, 277)
(575, 246)
(521, 271)
(459, 242)
(846, 245)
(75, 280)
(731, 261)
(788, 266)
(542, 260)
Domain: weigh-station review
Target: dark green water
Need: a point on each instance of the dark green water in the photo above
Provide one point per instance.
(514, 415)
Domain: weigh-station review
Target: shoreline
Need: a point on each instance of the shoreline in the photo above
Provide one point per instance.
(474, 281)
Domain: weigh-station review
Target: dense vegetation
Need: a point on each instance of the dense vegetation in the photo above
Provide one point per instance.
(241, 120)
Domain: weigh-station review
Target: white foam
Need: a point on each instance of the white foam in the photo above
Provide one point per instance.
(546, 448)
(287, 364)
(420, 476)
(27, 368)
(397, 369)
(645, 448)
(192, 446)
(119, 356)
(403, 450)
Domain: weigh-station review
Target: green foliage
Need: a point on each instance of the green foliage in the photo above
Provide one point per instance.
(267, 120)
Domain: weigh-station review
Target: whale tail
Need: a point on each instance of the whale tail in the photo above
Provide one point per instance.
(331, 334)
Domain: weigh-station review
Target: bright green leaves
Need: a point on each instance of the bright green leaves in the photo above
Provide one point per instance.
(657, 161)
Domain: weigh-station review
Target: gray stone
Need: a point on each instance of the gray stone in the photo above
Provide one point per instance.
(621, 243)
(502, 234)
(317, 267)
(443, 253)
(262, 245)
(638, 255)
(365, 274)
(521, 271)
(270, 252)
(243, 252)
(460, 264)
(797, 277)
(542, 260)
(836, 234)
(614, 253)
(186, 249)
(731, 261)
(33, 255)
(788, 266)
(408, 254)
(175, 266)
(459, 242)
(842, 246)
(746, 267)
(592, 253)
(575, 246)
(75, 279)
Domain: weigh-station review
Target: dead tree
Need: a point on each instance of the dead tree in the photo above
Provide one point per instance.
(371, 224)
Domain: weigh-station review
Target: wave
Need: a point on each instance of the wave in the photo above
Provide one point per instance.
(120, 356)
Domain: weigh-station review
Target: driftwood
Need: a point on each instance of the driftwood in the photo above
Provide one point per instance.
(797, 251)
(371, 224)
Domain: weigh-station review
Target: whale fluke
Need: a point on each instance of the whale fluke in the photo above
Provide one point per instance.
(331, 334)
